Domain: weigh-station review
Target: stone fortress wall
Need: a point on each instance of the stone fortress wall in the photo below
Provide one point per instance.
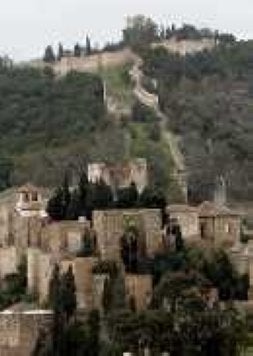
(88, 64)
(184, 47)
(104, 60)
(46, 243)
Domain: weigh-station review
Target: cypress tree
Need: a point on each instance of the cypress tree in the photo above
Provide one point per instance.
(60, 52)
(55, 207)
(66, 196)
(88, 46)
(68, 294)
(56, 304)
(77, 50)
(49, 56)
(94, 331)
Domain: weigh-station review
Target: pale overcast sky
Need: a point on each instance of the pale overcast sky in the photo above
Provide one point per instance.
(27, 26)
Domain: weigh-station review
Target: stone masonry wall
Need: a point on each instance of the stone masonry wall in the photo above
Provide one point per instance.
(184, 47)
(140, 288)
(19, 331)
(94, 62)
(9, 261)
(110, 226)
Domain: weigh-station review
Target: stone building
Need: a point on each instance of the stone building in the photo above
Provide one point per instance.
(138, 288)
(209, 224)
(219, 224)
(188, 219)
(20, 328)
(110, 226)
(64, 236)
(120, 175)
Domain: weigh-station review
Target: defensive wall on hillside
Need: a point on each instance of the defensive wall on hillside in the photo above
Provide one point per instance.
(184, 47)
(93, 63)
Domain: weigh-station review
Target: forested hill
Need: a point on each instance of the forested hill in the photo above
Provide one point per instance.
(49, 125)
(208, 100)
(40, 117)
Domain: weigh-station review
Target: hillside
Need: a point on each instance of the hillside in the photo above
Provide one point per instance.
(49, 125)
(159, 106)
(207, 99)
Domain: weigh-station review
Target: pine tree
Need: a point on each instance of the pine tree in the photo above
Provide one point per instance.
(49, 56)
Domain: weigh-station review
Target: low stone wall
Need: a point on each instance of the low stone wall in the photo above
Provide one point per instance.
(19, 331)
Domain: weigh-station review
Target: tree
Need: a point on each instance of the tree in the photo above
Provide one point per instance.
(88, 245)
(94, 331)
(58, 205)
(55, 207)
(60, 52)
(66, 195)
(140, 31)
(102, 195)
(74, 210)
(179, 242)
(128, 197)
(174, 287)
(49, 56)
(56, 303)
(88, 46)
(77, 50)
(68, 293)
(107, 295)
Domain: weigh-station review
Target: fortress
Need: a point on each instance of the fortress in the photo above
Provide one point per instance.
(119, 236)
(124, 237)
(106, 59)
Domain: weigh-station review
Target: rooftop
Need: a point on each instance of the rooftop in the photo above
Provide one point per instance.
(210, 209)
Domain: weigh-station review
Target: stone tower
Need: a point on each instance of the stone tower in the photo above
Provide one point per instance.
(29, 201)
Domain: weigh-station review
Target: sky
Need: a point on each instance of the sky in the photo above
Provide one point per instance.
(27, 26)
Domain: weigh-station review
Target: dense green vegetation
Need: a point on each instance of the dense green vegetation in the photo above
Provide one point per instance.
(40, 116)
(50, 125)
(208, 101)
